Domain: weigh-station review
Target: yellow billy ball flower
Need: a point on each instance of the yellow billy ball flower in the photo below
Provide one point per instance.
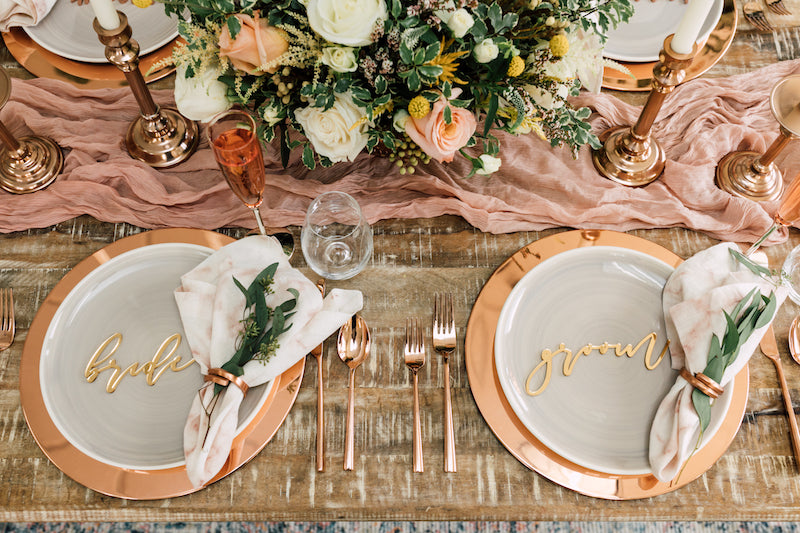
(559, 45)
(516, 66)
(142, 3)
(418, 107)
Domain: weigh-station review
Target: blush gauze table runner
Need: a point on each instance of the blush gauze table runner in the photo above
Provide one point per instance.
(537, 186)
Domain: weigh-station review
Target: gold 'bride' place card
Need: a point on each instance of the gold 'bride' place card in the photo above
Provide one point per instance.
(594, 314)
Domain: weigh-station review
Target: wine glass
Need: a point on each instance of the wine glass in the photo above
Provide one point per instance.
(232, 136)
(336, 239)
(788, 213)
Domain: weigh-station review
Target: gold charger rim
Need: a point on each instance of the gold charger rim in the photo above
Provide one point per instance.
(503, 421)
(45, 64)
(713, 50)
(114, 480)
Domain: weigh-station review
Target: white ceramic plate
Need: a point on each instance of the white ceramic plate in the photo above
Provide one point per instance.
(67, 30)
(598, 417)
(642, 37)
(138, 426)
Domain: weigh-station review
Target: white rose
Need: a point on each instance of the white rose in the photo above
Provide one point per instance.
(490, 164)
(200, 97)
(545, 99)
(340, 58)
(347, 22)
(331, 132)
(271, 115)
(460, 22)
(399, 120)
(485, 51)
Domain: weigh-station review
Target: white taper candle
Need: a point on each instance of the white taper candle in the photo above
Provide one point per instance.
(689, 27)
(106, 13)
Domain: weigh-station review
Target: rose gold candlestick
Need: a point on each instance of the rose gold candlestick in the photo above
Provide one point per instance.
(752, 175)
(629, 155)
(160, 137)
(27, 164)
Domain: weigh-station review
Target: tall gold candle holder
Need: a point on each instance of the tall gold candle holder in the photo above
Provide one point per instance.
(160, 137)
(751, 174)
(27, 164)
(629, 155)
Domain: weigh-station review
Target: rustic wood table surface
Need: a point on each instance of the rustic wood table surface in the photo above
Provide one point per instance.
(756, 479)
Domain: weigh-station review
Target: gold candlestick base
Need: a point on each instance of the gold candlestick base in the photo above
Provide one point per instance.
(159, 137)
(34, 166)
(629, 155)
(28, 164)
(736, 174)
(752, 175)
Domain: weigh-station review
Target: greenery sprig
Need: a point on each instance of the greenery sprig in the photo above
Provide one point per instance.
(753, 312)
(261, 325)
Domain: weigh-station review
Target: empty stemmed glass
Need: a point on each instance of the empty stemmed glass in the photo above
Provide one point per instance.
(232, 136)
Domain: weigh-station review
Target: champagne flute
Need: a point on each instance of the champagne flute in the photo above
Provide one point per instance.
(232, 137)
(788, 213)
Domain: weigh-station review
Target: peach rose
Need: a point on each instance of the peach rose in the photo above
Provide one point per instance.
(256, 44)
(437, 138)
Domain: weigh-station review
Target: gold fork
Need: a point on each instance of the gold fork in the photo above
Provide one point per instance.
(414, 352)
(444, 342)
(7, 323)
(777, 6)
(754, 14)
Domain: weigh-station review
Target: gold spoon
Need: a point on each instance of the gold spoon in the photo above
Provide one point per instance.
(794, 339)
(353, 347)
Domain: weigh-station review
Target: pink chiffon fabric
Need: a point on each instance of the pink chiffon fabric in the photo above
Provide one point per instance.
(537, 186)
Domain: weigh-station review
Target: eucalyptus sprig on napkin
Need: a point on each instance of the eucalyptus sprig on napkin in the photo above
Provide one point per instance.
(256, 340)
(753, 312)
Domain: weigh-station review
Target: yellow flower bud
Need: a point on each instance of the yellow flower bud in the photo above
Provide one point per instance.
(516, 67)
(143, 3)
(559, 45)
(418, 107)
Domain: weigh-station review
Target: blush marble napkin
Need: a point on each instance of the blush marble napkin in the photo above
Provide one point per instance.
(211, 307)
(23, 12)
(694, 298)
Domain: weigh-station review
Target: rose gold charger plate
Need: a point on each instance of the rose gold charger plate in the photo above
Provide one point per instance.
(506, 425)
(45, 64)
(716, 45)
(115, 480)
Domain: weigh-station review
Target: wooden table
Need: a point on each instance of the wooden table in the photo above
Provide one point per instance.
(757, 479)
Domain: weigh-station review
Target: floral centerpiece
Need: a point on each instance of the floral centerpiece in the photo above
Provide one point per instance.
(418, 80)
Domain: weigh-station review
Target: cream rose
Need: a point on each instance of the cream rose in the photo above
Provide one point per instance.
(347, 22)
(491, 164)
(256, 45)
(460, 22)
(331, 132)
(485, 51)
(200, 97)
(340, 58)
(437, 138)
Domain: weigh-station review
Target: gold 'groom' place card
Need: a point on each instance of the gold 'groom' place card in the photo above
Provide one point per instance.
(153, 369)
(570, 358)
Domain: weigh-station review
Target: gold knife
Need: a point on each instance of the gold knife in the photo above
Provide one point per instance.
(769, 347)
(317, 353)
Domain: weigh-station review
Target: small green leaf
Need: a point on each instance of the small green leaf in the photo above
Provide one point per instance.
(234, 27)
(308, 157)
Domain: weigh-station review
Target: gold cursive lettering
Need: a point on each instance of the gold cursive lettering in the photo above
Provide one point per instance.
(153, 369)
(570, 358)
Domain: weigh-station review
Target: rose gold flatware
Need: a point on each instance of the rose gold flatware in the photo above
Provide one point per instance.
(7, 323)
(414, 353)
(317, 353)
(353, 347)
(444, 342)
(777, 6)
(754, 14)
(794, 339)
(769, 347)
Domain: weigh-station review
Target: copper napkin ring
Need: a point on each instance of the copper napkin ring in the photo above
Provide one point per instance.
(225, 378)
(703, 383)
